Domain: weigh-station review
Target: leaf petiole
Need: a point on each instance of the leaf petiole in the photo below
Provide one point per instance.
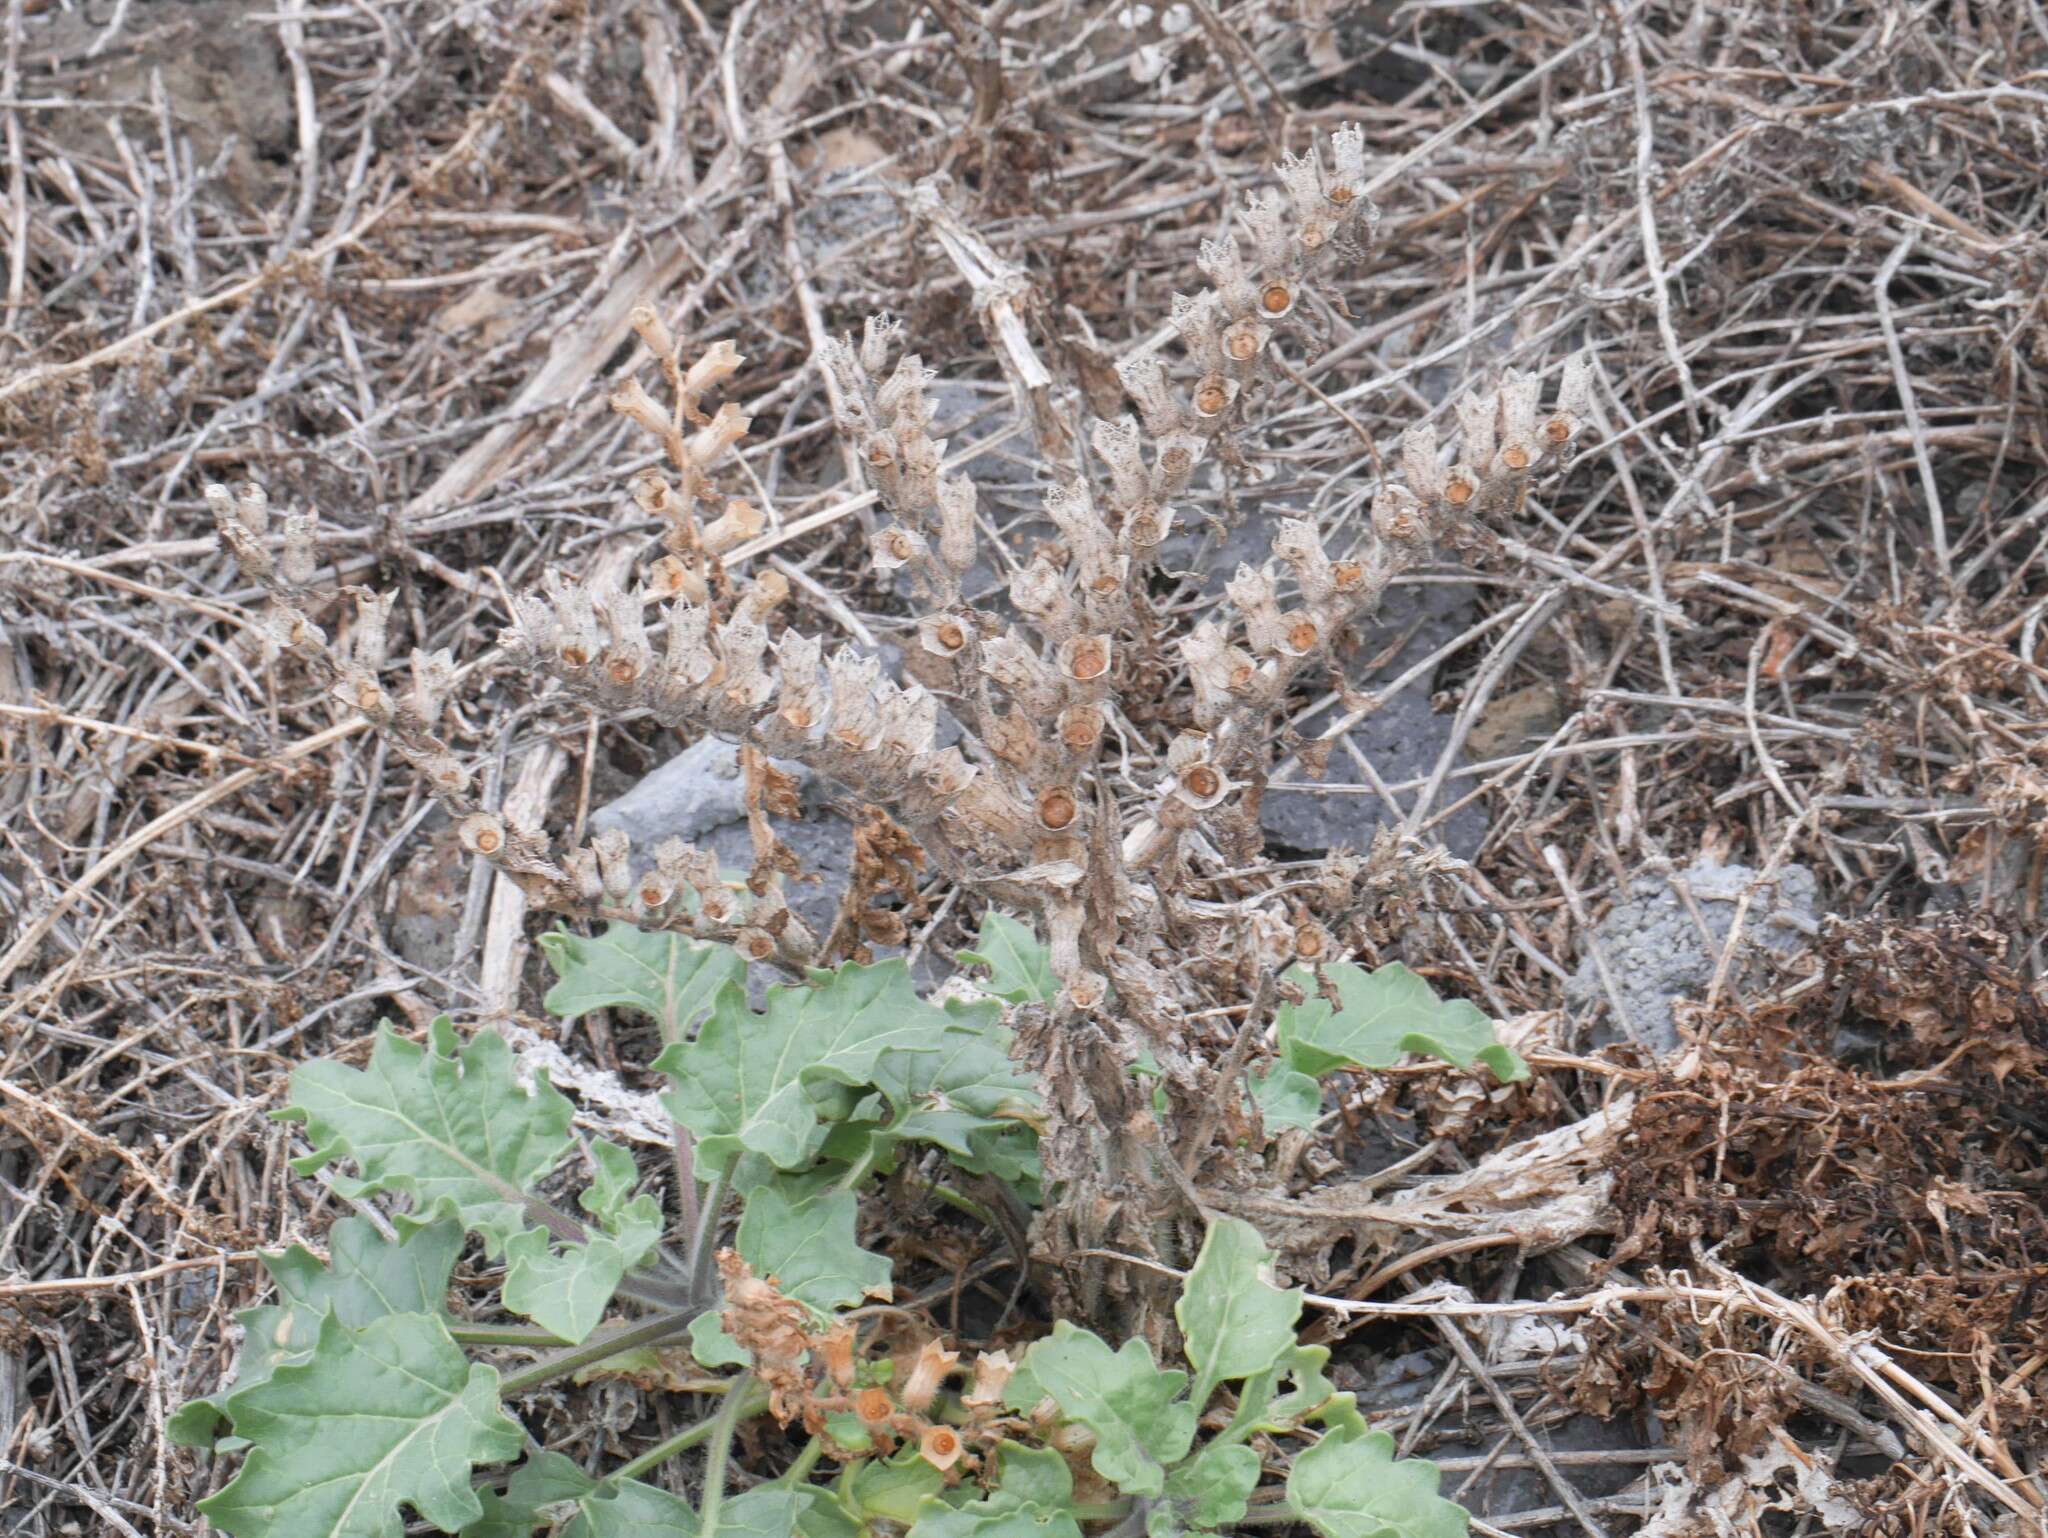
(645, 1332)
(715, 1457)
(690, 1436)
(504, 1335)
(704, 1243)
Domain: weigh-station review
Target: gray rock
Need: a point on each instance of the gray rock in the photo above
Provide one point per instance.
(686, 798)
(1402, 740)
(1657, 955)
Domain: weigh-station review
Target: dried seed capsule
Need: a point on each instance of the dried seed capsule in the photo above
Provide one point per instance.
(1080, 728)
(1458, 486)
(1516, 456)
(653, 332)
(446, 774)
(943, 635)
(1147, 526)
(755, 944)
(1213, 395)
(631, 400)
(482, 833)
(1057, 809)
(1276, 299)
(1311, 942)
(1085, 990)
(895, 546)
(940, 1447)
(1201, 786)
(1244, 339)
(1085, 658)
(614, 850)
(654, 891)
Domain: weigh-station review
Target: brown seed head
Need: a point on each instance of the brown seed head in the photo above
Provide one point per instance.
(1339, 194)
(1515, 456)
(1557, 429)
(482, 834)
(939, 1446)
(1458, 493)
(1347, 575)
(1090, 657)
(1302, 635)
(655, 891)
(949, 635)
(574, 654)
(1242, 343)
(1057, 809)
(1312, 237)
(1080, 728)
(622, 670)
(899, 544)
(667, 576)
(369, 698)
(1276, 298)
(880, 452)
(1087, 990)
(872, 1406)
(1211, 396)
(1309, 942)
(756, 945)
(1242, 675)
(1201, 781)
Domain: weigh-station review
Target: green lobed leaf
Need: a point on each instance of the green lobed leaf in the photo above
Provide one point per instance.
(808, 1246)
(1350, 1485)
(456, 1132)
(1019, 968)
(566, 1287)
(892, 1489)
(1313, 1398)
(1034, 1489)
(1213, 1488)
(630, 1509)
(961, 1095)
(1141, 1424)
(392, 1414)
(541, 1482)
(1235, 1321)
(746, 1082)
(365, 1277)
(667, 976)
(1287, 1097)
(823, 1517)
(1384, 1014)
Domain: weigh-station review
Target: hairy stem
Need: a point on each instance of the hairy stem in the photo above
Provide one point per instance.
(646, 1332)
(756, 1401)
(715, 1456)
(704, 1243)
(504, 1335)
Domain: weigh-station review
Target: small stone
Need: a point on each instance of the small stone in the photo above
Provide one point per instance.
(698, 790)
(1657, 955)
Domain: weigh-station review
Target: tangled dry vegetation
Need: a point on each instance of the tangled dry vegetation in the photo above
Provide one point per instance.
(552, 322)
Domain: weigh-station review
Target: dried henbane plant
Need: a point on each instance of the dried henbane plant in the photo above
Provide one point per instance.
(1054, 801)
